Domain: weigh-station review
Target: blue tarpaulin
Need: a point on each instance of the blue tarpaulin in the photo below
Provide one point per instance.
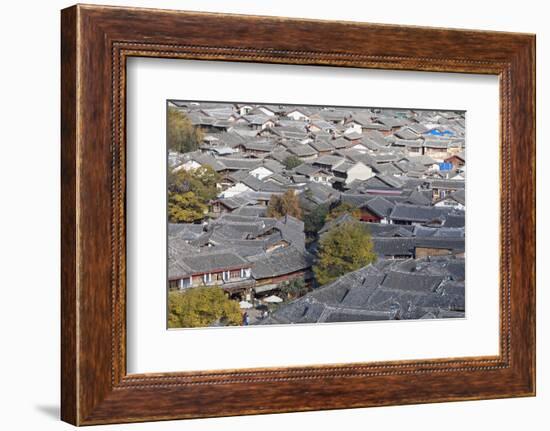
(436, 132)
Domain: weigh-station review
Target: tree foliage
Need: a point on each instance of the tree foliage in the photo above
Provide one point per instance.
(343, 249)
(189, 193)
(342, 208)
(201, 181)
(292, 162)
(294, 288)
(182, 135)
(314, 219)
(202, 306)
(287, 204)
(185, 208)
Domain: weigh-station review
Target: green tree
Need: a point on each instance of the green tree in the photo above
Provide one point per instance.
(206, 182)
(185, 207)
(294, 288)
(314, 219)
(189, 193)
(342, 208)
(343, 249)
(201, 306)
(292, 162)
(182, 135)
(287, 204)
(201, 181)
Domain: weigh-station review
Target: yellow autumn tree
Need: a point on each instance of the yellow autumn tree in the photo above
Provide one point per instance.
(343, 249)
(190, 192)
(343, 208)
(201, 306)
(185, 208)
(287, 204)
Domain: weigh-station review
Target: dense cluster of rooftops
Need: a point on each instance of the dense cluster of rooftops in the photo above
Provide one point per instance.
(404, 170)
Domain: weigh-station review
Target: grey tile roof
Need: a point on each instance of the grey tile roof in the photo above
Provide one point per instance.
(388, 247)
(415, 213)
(356, 199)
(411, 281)
(238, 163)
(302, 150)
(343, 168)
(392, 121)
(279, 155)
(389, 230)
(389, 169)
(185, 231)
(234, 202)
(334, 114)
(356, 156)
(251, 210)
(321, 145)
(422, 160)
(380, 206)
(395, 182)
(280, 262)
(281, 180)
(340, 143)
(407, 133)
(213, 261)
(320, 193)
(329, 160)
(459, 196)
(407, 143)
(261, 146)
(436, 143)
(380, 181)
(456, 269)
(355, 316)
(454, 220)
(307, 169)
(448, 184)
(273, 165)
(261, 186)
(443, 232)
(456, 244)
(379, 292)
(419, 198)
(417, 128)
(376, 183)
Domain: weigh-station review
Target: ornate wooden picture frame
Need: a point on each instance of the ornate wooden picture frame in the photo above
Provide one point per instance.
(96, 41)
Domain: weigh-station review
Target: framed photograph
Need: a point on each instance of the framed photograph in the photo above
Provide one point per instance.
(261, 217)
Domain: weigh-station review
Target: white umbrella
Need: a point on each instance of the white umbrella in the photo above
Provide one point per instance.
(273, 299)
(245, 304)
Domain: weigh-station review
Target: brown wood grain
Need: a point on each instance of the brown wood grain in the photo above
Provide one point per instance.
(68, 217)
(96, 41)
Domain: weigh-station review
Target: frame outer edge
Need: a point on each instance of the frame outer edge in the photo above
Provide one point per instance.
(69, 201)
(87, 396)
(532, 82)
(533, 56)
(523, 251)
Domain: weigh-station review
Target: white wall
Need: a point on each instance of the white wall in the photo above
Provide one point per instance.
(29, 220)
